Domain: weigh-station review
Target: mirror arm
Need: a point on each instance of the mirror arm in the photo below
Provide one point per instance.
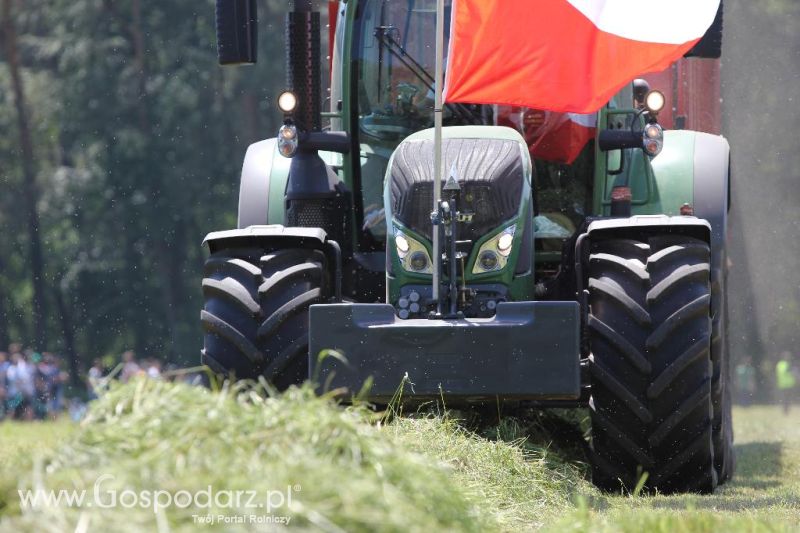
(619, 139)
(327, 141)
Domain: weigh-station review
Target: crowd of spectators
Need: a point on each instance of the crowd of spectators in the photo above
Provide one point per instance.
(128, 368)
(34, 386)
(31, 384)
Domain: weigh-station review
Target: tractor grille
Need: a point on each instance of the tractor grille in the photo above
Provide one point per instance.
(309, 213)
(331, 214)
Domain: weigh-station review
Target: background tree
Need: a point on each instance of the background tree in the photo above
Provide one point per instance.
(29, 187)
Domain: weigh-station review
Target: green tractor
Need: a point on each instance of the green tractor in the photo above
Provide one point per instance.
(598, 284)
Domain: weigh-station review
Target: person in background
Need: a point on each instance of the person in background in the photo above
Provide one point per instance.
(21, 388)
(785, 380)
(745, 381)
(94, 377)
(154, 369)
(130, 367)
(41, 392)
(4, 364)
(13, 348)
(61, 384)
(48, 369)
(76, 409)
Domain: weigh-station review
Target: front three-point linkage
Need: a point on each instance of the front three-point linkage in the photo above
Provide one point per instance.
(445, 221)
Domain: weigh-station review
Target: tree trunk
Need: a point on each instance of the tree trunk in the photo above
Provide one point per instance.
(136, 292)
(137, 38)
(29, 188)
(4, 333)
(65, 316)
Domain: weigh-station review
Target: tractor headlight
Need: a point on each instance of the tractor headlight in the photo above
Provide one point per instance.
(494, 253)
(653, 139)
(488, 260)
(504, 243)
(287, 140)
(287, 102)
(654, 102)
(419, 262)
(402, 245)
(413, 255)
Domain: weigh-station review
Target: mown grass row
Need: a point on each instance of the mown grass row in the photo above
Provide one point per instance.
(349, 469)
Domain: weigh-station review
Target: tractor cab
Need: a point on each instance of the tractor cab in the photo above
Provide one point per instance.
(385, 48)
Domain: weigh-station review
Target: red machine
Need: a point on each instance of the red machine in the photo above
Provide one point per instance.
(693, 95)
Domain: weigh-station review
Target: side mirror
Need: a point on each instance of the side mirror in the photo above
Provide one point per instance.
(237, 37)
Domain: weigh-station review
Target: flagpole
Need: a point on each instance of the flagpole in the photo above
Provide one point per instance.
(437, 144)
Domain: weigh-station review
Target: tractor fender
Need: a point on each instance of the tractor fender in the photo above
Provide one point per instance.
(264, 174)
(694, 169)
(712, 189)
(267, 237)
(277, 237)
(636, 225)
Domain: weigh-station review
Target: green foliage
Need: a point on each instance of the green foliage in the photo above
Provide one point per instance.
(138, 148)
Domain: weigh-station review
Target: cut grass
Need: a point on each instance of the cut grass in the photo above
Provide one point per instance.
(351, 471)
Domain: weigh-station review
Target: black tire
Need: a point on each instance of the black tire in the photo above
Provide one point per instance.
(255, 316)
(650, 337)
(724, 458)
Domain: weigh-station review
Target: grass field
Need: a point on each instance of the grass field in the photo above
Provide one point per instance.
(322, 467)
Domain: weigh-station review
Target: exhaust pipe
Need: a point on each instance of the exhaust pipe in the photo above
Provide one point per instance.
(303, 63)
(314, 195)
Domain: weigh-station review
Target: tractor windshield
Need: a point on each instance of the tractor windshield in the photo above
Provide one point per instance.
(395, 58)
(396, 67)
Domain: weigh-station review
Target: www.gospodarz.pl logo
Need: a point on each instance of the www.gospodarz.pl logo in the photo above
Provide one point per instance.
(103, 495)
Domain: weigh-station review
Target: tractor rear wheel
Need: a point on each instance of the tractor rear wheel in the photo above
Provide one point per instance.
(255, 316)
(650, 336)
(724, 459)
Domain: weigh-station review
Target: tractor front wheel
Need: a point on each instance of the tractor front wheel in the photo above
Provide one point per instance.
(724, 458)
(650, 364)
(255, 316)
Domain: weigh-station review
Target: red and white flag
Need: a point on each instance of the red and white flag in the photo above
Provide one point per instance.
(565, 55)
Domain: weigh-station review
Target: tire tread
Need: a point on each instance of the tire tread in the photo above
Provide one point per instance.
(658, 368)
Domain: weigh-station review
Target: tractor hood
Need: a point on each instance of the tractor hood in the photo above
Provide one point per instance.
(491, 164)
